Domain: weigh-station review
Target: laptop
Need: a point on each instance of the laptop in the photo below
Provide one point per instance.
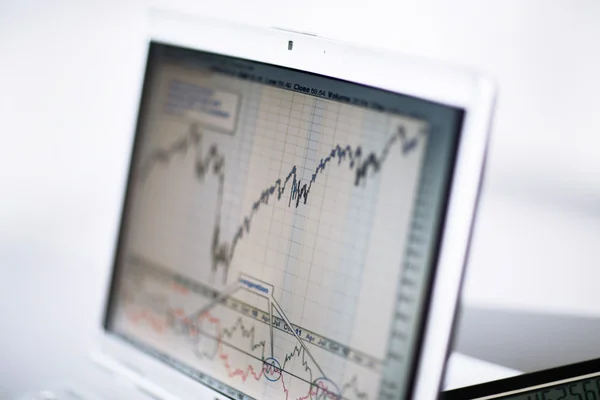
(296, 218)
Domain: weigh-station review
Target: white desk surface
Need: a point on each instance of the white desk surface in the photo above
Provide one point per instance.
(466, 371)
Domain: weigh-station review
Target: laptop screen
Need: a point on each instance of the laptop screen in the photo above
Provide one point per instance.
(281, 229)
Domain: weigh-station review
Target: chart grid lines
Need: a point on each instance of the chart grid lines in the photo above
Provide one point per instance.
(277, 225)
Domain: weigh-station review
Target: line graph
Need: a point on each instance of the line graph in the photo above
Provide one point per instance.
(192, 327)
(214, 162)
(184, 286)
(265, 290)
(244, 373)
(262, 258)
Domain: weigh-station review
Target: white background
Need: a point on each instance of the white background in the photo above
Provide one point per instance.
(69, 71)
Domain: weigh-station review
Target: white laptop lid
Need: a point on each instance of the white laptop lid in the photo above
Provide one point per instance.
(296, 218)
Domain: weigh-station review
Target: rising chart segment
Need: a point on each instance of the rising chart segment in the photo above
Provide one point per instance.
(265, 234)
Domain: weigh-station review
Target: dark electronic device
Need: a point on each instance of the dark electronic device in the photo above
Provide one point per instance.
(580, 381)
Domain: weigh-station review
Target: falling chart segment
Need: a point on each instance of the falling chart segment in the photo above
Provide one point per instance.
(294, 197)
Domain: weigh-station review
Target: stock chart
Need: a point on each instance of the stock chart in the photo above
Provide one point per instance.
(265, 235)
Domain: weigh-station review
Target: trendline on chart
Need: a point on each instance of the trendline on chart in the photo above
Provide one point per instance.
(185, 287)
(222, 252)
(192, 328)
(271, 369)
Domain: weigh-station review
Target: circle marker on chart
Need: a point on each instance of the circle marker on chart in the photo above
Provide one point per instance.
(325, 389)
(272, 369)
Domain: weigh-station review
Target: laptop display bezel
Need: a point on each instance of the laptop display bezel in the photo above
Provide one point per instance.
(377, 69)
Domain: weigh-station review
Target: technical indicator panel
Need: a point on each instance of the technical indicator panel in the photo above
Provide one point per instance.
(280, 228)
